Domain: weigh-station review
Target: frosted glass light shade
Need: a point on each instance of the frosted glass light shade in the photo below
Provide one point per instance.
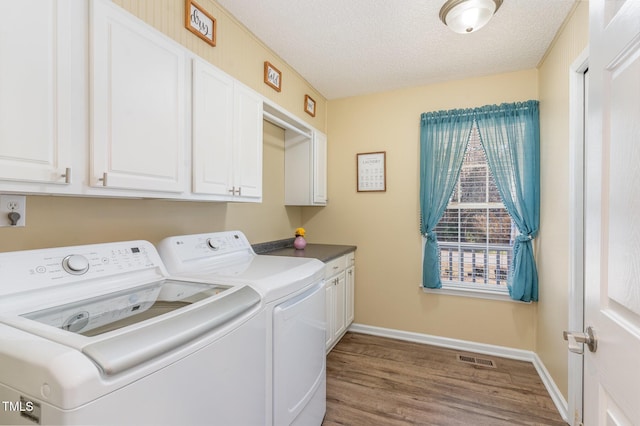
(467, 16)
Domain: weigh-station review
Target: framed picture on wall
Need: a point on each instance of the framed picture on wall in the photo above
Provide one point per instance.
(371, 171)
(309, 105)
(272, 76)
(200, 22)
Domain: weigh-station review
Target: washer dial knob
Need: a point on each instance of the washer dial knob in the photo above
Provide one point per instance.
(75, 264)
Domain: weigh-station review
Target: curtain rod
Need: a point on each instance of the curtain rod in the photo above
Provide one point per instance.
(476, 110)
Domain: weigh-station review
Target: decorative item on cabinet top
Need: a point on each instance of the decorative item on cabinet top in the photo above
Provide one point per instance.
(200, 22)
(309, 105)
(272, 76)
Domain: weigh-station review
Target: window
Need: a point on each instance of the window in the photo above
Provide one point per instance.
(476, 233)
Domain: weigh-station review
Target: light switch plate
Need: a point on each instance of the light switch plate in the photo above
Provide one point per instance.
(13, 203)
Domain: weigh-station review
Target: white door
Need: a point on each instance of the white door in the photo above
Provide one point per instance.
(36, 87)
(212, 130)
(138, 137)
(319, 168)
(299, 366)
(612, 223)
(247, 129)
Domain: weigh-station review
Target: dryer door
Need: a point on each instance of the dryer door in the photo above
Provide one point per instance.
(299, 359)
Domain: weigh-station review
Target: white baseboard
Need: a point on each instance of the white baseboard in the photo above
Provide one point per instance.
(480, 348)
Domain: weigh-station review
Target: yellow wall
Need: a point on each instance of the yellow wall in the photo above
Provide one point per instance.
(384, 226)
(553, 242)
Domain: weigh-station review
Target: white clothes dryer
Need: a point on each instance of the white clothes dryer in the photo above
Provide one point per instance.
(101, 334)
(293, 294)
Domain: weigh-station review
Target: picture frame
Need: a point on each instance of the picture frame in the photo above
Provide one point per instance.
(272, 76)
(371, 171)
(200, 22)
(309, 105)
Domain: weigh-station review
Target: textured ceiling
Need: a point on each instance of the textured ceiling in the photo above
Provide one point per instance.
(353, 47)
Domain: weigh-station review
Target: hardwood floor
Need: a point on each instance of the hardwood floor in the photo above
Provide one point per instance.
(377, 381)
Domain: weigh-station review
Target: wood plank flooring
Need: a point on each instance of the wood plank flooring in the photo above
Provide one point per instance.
(376, 381)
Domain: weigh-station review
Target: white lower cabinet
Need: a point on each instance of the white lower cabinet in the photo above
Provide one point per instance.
(339, 291)
(350, 276)
(138, 88)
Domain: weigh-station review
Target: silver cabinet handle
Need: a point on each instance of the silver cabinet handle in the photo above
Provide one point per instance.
(67, 175)
(576, 340)
(103, 179)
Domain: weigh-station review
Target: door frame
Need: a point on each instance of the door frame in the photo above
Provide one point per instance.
(577, 134)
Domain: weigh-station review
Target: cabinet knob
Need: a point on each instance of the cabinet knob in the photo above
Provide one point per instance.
(103, 179)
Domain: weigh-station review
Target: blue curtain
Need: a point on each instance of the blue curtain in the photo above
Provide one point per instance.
(444, 136)
(510, 135)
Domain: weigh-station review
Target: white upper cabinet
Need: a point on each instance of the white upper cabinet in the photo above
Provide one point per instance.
(319, 168)
(248, 144)
(41, 49)
(305, 159)
(227, 136)
(138, 90)
(212, 130)
(305, 168)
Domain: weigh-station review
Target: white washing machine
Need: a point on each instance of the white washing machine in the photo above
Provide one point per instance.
(101, 334)
(292, 290)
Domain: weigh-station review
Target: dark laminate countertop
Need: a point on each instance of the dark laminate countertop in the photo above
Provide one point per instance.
(323, 252)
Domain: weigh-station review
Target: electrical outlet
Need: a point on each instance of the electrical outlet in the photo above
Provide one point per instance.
(11, 204)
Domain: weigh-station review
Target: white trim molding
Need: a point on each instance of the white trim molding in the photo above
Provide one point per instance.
(480, 348)
(578, 82)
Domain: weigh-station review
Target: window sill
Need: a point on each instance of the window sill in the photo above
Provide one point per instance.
(474, 293)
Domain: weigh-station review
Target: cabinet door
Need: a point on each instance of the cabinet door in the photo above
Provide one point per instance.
(320, 168)
(349, 295)
(212, 130)
(247, 143)
(36, 89)
(329, 291)
(138, 112)
(340, 300)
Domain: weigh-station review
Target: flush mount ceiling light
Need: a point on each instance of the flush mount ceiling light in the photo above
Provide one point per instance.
(467, 16)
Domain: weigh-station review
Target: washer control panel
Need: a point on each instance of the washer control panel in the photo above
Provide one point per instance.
(177, 252)
(34, 269)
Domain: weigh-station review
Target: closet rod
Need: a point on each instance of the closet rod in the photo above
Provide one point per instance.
(275, 120)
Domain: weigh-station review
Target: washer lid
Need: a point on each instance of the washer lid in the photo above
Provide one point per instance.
(100, 314)
(123, 329)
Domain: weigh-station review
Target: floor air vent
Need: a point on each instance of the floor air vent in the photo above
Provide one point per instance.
(482, 362)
